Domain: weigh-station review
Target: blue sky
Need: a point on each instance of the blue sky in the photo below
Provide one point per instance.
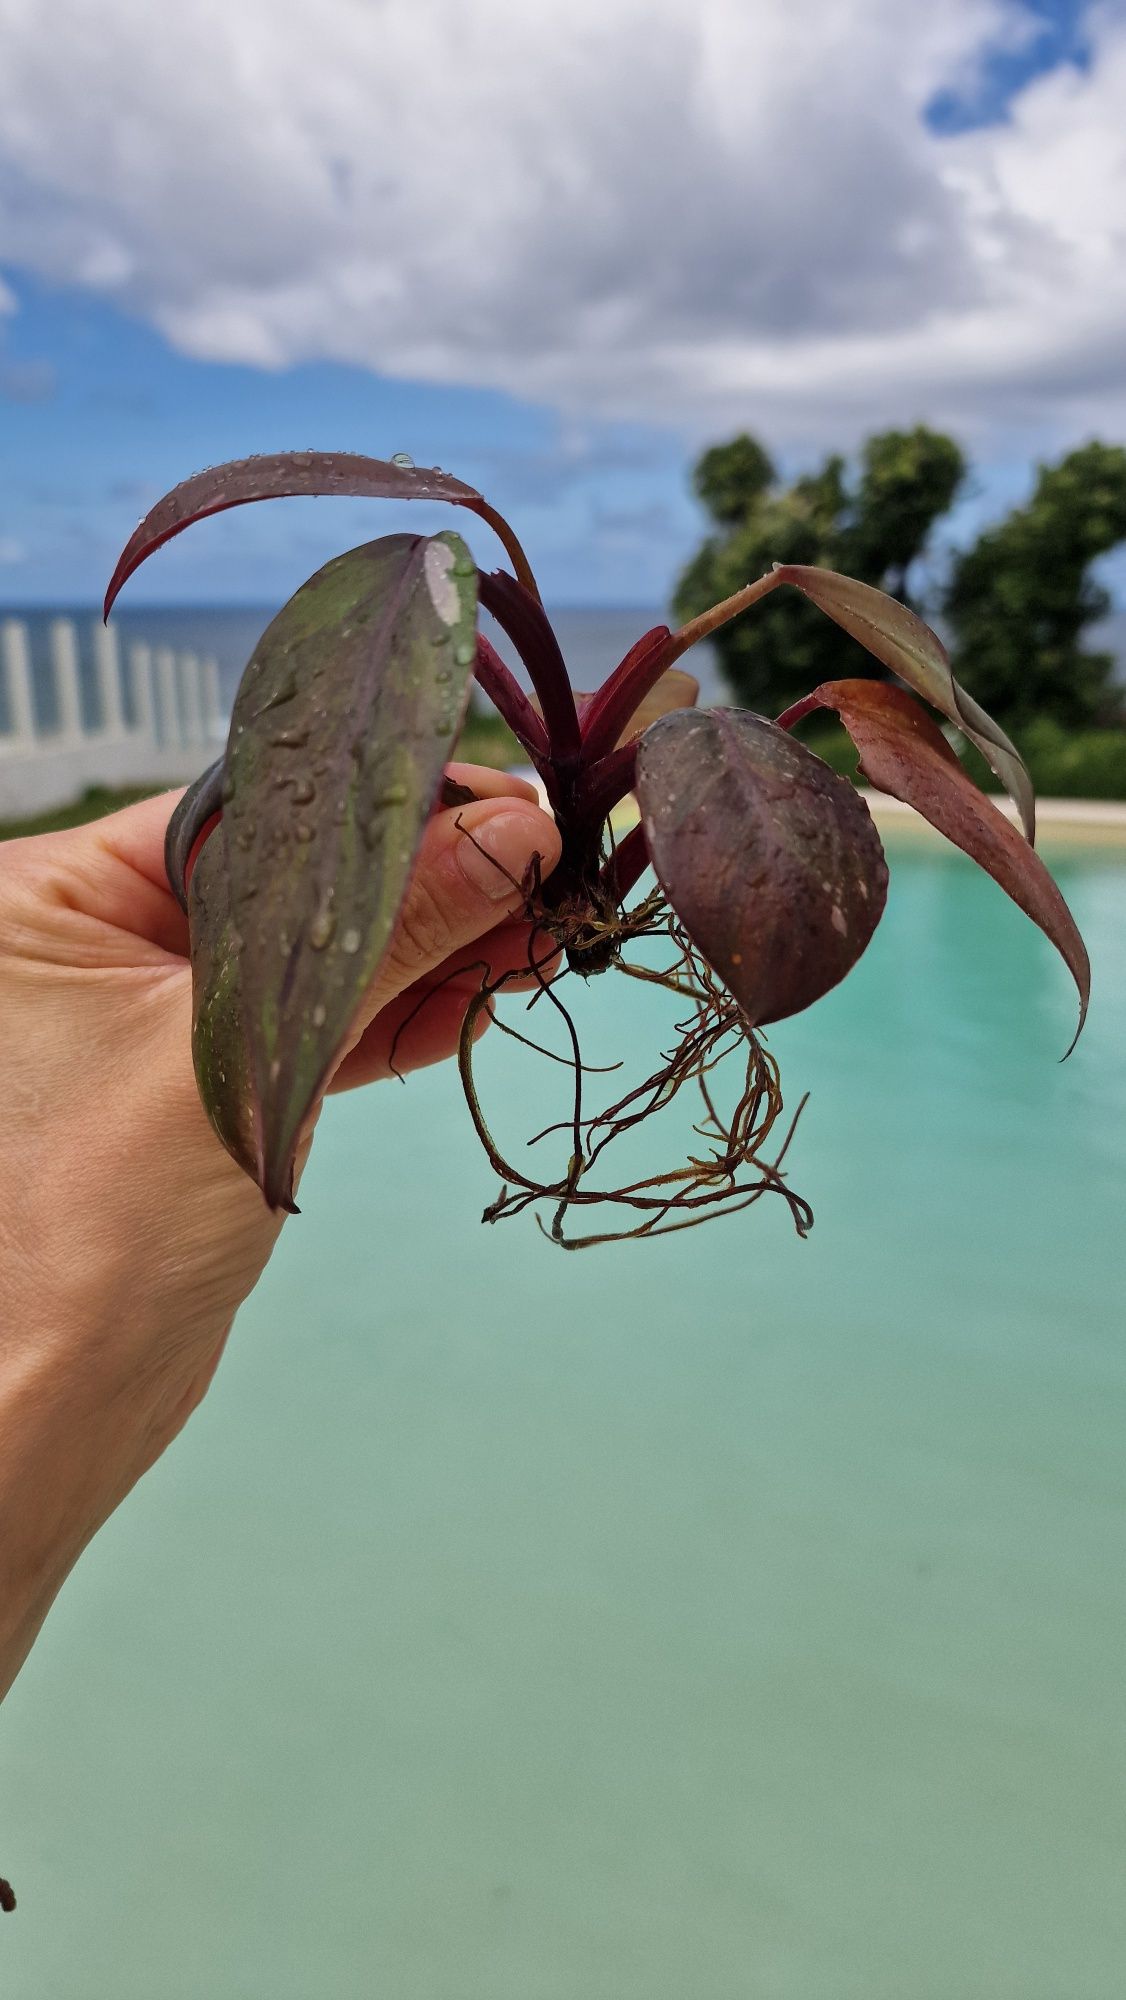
(106, 416)
(158, 320)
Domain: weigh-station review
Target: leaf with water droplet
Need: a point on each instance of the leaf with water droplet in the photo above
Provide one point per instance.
(281, 475)
(768, 858)
(377, 728)
(219, 1045)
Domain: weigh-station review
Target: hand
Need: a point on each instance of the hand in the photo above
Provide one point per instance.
(128, 1237)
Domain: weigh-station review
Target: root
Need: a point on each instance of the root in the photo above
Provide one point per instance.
(742, 1151)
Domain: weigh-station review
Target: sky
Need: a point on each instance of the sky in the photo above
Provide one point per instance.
(553, 245)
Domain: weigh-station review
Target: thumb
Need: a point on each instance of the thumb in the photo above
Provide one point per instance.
(468, 878)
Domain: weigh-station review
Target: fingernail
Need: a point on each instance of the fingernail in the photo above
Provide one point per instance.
(494, 859)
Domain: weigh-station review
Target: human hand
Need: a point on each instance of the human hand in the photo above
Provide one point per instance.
(128, 1237)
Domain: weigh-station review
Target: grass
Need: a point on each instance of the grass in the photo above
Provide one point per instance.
(1063, 763)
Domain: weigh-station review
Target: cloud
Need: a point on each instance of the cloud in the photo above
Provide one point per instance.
(12, 552)
(640, 209)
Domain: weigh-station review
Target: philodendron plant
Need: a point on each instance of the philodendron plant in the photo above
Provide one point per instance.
(292, 854)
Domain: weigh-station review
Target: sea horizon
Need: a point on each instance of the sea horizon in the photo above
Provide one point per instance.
(593, 638)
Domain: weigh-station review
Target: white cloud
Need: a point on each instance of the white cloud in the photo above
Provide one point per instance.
(12, 552)
(695, 210)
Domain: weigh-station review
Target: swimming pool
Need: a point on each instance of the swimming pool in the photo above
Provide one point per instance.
(725, 1616)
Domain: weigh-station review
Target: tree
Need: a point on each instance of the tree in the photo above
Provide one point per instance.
(873, 528)
(1019, 601)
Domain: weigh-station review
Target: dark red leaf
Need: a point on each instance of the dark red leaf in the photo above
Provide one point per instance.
(769, 859)
(902, 751)
(901, 641)
(200, 803)
(288, 474)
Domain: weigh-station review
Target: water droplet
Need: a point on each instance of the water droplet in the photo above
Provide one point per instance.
(442, 676)
(323, 927)
(404, 459)
(303, 832)
(441, 638)
(351, 942)
(466, 653)
(318, 1016)
(304, 791)
(394, 795)
(464, 566)
(291, 739)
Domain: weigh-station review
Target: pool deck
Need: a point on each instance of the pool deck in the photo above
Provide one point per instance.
(1091, 822)
(1101, 821)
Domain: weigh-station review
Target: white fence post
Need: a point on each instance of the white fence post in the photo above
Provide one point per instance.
(107, 665)
(64, 663)
(167, 711)
(175, 708)
(16, 655)
(212, 701)
(140, 681)
(191, 702)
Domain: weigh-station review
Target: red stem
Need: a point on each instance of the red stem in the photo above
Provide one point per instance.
(525, 621)
(508, 697)
(622, 693)
(798, 711)
(603, 784)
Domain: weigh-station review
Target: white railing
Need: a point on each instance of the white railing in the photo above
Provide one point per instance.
(178, 723)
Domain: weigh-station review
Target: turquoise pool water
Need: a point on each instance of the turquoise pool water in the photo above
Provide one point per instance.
(729, 1616)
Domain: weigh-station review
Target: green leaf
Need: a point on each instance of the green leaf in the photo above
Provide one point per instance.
(902, 751)
(899, 639)
(219, 1045)
(340, 732)
(769, 859)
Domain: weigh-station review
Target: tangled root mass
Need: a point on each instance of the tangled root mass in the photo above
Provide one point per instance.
(741, 1151)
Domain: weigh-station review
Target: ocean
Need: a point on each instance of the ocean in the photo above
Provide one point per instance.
(593, 641)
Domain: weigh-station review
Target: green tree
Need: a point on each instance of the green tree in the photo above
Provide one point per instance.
(872, 527)
(1019, 601)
